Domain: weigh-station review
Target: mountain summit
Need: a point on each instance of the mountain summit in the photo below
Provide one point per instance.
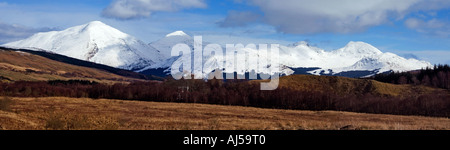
(177, 33)
(165, 44)
(359, 48)
(95, 42)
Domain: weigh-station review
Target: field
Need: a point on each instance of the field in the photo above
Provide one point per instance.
(60, 113)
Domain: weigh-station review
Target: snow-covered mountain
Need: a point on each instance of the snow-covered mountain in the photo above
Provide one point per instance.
(95, 42)
(211, 63)
(355, 56)
(165, 44)
(100, 43)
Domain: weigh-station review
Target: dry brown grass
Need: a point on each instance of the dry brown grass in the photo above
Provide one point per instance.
(5, 103)
(20, 66)
(87, 114)
(344, 86)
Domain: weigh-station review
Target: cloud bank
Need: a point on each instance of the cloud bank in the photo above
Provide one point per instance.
(13, 32)
(332, 16)
(433, 27)
(133, 9)
(239, 19)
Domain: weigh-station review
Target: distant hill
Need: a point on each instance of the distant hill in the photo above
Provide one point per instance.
(28, 65)
(438, 76)
(349, 86)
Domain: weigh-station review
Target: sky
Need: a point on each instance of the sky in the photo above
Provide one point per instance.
(410, 28)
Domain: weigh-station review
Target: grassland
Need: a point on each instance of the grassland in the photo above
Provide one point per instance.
(60, 113)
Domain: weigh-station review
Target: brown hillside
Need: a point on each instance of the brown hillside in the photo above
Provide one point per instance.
(22, 66)
(343, 86)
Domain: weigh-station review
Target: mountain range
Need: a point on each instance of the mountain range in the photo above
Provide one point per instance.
(103, 44)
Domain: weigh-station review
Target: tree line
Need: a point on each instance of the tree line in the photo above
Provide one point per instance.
(235, 92)
(438, 76)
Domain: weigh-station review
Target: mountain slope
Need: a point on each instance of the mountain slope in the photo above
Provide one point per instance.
(27, 65)
(95, 42)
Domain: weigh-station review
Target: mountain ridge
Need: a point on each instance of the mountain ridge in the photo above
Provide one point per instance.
(101, 43)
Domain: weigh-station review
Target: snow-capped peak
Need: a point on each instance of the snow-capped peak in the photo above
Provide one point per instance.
(360, 48)
(177, 33)
(96, 24)
(96, 42)
(165, 44)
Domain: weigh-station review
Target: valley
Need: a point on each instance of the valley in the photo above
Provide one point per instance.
(95, 77)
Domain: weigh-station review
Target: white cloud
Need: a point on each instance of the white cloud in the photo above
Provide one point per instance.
(433, 27)
(48, 15)
(315, 16)
(12, 32)
(239, 19)
(132, 9)
(234, 39)
(343, 16)
(426, 5)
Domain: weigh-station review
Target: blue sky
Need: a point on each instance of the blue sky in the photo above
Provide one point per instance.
(412, 28)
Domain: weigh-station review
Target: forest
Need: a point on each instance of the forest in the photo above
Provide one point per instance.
(237, 92)
(438, 76)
